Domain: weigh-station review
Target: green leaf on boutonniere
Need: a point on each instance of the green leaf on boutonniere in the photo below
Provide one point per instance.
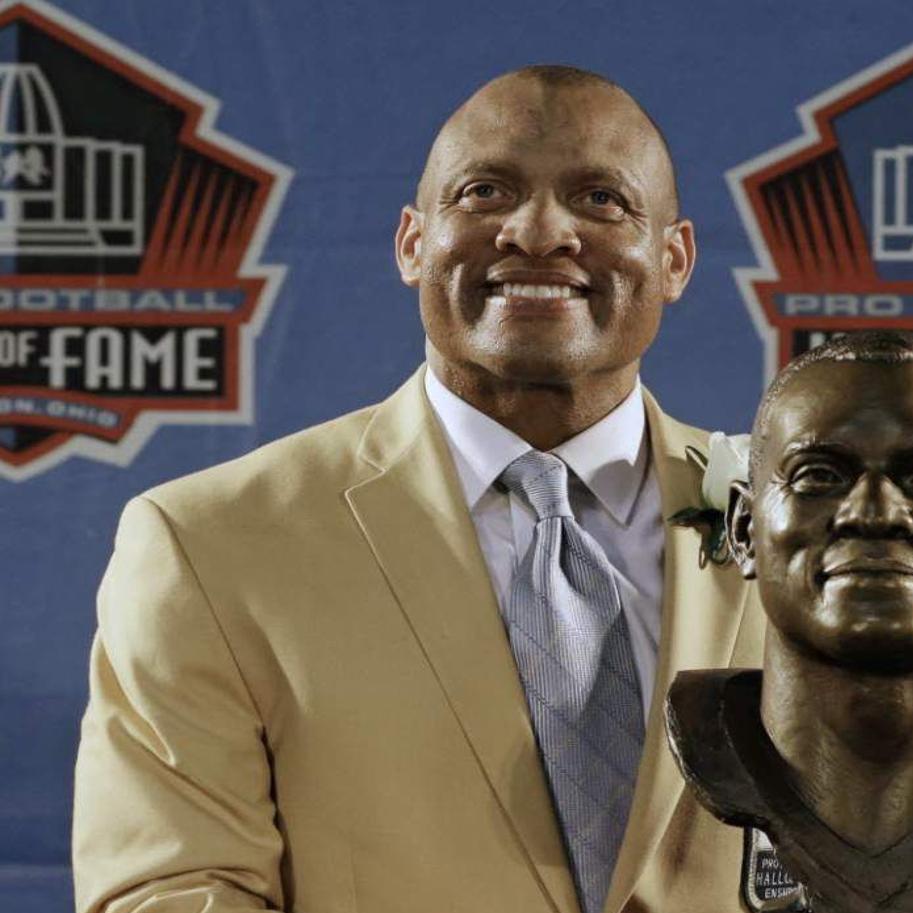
(711, 524)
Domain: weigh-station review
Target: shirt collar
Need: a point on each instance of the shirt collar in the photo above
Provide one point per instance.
(610, 457)
(482, 449)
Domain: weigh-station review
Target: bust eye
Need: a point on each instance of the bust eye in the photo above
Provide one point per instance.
(816, 478)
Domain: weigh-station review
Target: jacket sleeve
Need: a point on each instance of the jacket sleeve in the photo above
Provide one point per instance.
(173, 809)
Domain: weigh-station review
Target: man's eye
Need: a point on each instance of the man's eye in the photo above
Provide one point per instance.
(481, 194)
(484, 191)
(606, 203)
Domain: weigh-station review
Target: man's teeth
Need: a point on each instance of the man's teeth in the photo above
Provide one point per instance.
(516, 290)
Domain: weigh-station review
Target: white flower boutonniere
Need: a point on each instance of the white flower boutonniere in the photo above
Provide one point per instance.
(726, 463)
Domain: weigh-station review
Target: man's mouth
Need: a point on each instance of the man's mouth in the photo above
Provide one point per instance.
(524, 290)
(540, 297)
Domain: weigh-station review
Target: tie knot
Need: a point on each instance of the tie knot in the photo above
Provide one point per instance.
(540, 479)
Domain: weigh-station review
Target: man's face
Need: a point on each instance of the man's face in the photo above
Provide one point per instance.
(545, 243)
(832, 514)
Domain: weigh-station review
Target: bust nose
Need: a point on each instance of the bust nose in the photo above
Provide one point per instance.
(876, 508)
(540, 227)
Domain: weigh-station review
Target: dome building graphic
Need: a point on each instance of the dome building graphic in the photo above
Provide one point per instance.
(131, 231)
(59, 194)
(892, 231)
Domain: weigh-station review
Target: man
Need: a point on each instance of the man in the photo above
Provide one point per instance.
(826, 527)
(309, 689)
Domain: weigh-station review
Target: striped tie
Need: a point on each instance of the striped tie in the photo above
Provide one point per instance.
(571, 644)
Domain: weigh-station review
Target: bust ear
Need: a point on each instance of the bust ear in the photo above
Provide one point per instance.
(739, 528)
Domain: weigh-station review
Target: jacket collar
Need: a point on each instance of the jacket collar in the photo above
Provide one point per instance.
(414, 516)
(702, 613)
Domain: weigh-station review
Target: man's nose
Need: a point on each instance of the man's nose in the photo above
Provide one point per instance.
(875, 508)
(540, 227)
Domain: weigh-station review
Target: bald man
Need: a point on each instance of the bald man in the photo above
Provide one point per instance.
(312, 687)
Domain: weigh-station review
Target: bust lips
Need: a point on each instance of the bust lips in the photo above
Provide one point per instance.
(868, 566)
(866, 591)
(868, 559)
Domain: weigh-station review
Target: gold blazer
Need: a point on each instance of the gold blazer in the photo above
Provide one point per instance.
(303, 697)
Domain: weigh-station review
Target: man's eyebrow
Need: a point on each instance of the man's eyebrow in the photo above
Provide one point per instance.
(478, 168)
(585, 174)
(601, 171)
(605, 173)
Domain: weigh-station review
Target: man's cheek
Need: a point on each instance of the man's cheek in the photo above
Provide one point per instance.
(444, 242)
(434, 272)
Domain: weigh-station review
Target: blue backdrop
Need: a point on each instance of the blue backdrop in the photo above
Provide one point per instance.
(349, 94)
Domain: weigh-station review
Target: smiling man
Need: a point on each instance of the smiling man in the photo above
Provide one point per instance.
(545, 243)
(414, 659)
(819, 751)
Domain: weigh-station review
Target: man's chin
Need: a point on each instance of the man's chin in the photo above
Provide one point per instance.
(535, 369)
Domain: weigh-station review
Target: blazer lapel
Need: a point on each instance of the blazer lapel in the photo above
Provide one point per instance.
(702, 611)
(414, 516)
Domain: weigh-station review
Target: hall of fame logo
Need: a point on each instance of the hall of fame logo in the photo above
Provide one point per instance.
(130, 235)
(830, 216)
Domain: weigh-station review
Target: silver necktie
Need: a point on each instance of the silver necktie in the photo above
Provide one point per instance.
(571, 644)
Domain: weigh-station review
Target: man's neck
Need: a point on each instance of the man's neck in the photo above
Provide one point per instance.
(848, 738)
(543, 415)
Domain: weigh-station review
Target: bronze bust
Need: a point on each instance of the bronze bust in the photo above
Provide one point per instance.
(817, 751)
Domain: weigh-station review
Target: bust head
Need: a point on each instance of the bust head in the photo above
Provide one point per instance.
(817, 748)
(826, 522)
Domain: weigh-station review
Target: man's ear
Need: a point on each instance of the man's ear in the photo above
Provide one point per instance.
(678, 258)
(739, 529)
(409, 245)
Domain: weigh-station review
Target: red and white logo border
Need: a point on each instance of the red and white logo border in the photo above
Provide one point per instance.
(146, 423)
(808, 114)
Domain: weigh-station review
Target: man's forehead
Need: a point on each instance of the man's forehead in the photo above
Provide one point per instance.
(526, 103)
(516, 113)
(526, 109)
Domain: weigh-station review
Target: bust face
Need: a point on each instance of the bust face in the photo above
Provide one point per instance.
(831, 526)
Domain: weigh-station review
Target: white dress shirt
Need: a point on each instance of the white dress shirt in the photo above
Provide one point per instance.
(613, 493)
